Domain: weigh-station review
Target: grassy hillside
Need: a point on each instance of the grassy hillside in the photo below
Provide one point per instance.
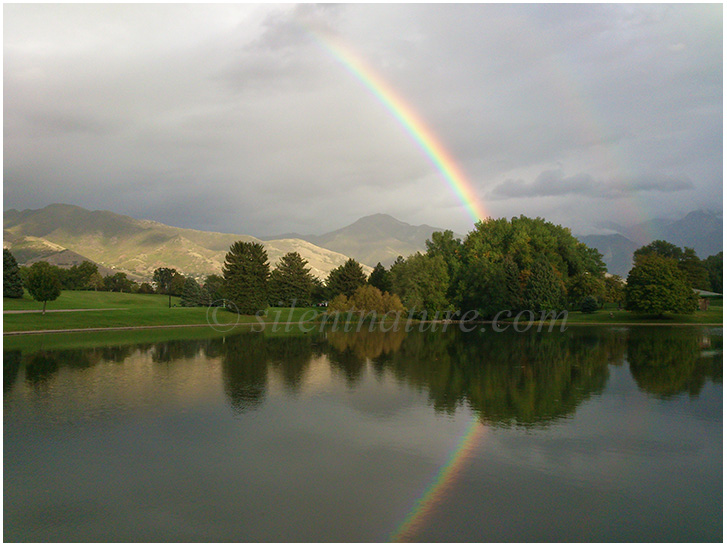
(140, 246)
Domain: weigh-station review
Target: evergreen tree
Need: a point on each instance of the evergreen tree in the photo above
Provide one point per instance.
(543, 290)
(12, 284)
(656, 285)
(345, 279)
(246, 272)
(291, 281)
(192, 294)
(380, 278)
(44, 283)
(213, 287)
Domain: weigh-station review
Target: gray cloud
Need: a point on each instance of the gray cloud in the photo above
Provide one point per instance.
(555, 183)
(235, 116)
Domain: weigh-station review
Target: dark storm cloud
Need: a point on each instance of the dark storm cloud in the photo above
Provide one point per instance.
(556, 183)
(234, 114)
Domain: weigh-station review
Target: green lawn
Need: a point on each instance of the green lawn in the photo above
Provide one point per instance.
(140, 310)
(71, 300)
(603, 317)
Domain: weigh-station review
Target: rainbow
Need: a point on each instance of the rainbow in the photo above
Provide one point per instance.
(409, 120)
(445, 477)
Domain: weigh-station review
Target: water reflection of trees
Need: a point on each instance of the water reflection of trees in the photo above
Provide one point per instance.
(507, 378)
(667, 362)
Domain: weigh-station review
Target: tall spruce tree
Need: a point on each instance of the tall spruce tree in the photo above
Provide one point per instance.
(291, 281)
(246, 272)
(345, 279)
(12, 284)
(192, 294)
(380, 278)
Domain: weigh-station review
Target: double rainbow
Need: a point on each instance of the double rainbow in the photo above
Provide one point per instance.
(409, 120)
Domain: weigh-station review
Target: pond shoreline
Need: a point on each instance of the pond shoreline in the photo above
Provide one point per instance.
(235, 326)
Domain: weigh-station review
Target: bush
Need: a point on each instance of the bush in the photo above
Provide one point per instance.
(589, 304)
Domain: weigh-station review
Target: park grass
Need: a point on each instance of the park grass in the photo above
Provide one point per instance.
(140, 310)
(615, 317)
(80, 300)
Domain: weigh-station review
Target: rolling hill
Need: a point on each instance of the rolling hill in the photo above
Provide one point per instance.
(138, 247)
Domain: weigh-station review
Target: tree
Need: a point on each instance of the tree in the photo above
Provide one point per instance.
(714, 265)
(146, 288)
(661, 248)
(43, 284)
(656, 285)
(380, 278)
(687, 260)
(614, 287)
(12, 283)
(345, 279)
(246, 272)
(693, 267)
(589, 304)
(421, 281)
(118, 282)
(192, 294)
(163, 280)
(583, 285)
(78, 276)
(213, 287)
(543, 290)
(96, 282)
(291, 281)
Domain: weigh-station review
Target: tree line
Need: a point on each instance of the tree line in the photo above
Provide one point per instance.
(517, 264)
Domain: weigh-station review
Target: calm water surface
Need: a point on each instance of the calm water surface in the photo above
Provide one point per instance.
(594, 434)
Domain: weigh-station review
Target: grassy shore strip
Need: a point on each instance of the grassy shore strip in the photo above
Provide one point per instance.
(91, 300)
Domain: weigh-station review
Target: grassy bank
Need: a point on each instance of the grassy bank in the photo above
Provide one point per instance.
(139, 310)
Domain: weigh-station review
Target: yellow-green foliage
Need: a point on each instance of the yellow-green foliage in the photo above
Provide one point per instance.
(367, 299)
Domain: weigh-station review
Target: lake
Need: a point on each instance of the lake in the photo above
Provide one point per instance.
(592, 434)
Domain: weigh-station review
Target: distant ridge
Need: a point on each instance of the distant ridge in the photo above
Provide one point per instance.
(375, 238)
(138, 247)
(701, 230)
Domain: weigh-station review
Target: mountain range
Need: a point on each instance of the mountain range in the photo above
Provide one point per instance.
(137, 247)
(700, 230)
(67, 234)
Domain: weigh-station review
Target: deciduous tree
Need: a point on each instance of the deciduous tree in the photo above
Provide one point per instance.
(43, 283)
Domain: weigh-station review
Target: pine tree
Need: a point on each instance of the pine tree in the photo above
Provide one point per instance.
(12, 284)
(291, 281)
(192, 294)
(345, 279)
(246, 272)
(380, 278)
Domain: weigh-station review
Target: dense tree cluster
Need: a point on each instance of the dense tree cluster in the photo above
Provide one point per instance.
(656, 285)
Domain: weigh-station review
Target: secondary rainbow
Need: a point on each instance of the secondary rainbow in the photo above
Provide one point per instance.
(412, 123)
(445, 477)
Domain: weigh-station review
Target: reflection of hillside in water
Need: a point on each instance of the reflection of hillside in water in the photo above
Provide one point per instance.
(526, 379)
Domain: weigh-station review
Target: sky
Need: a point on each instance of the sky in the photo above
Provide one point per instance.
(241, 119)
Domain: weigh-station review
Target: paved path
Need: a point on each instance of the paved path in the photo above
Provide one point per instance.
(61, 311)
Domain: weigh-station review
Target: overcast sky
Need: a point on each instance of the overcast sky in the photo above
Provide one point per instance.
(233, 118)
